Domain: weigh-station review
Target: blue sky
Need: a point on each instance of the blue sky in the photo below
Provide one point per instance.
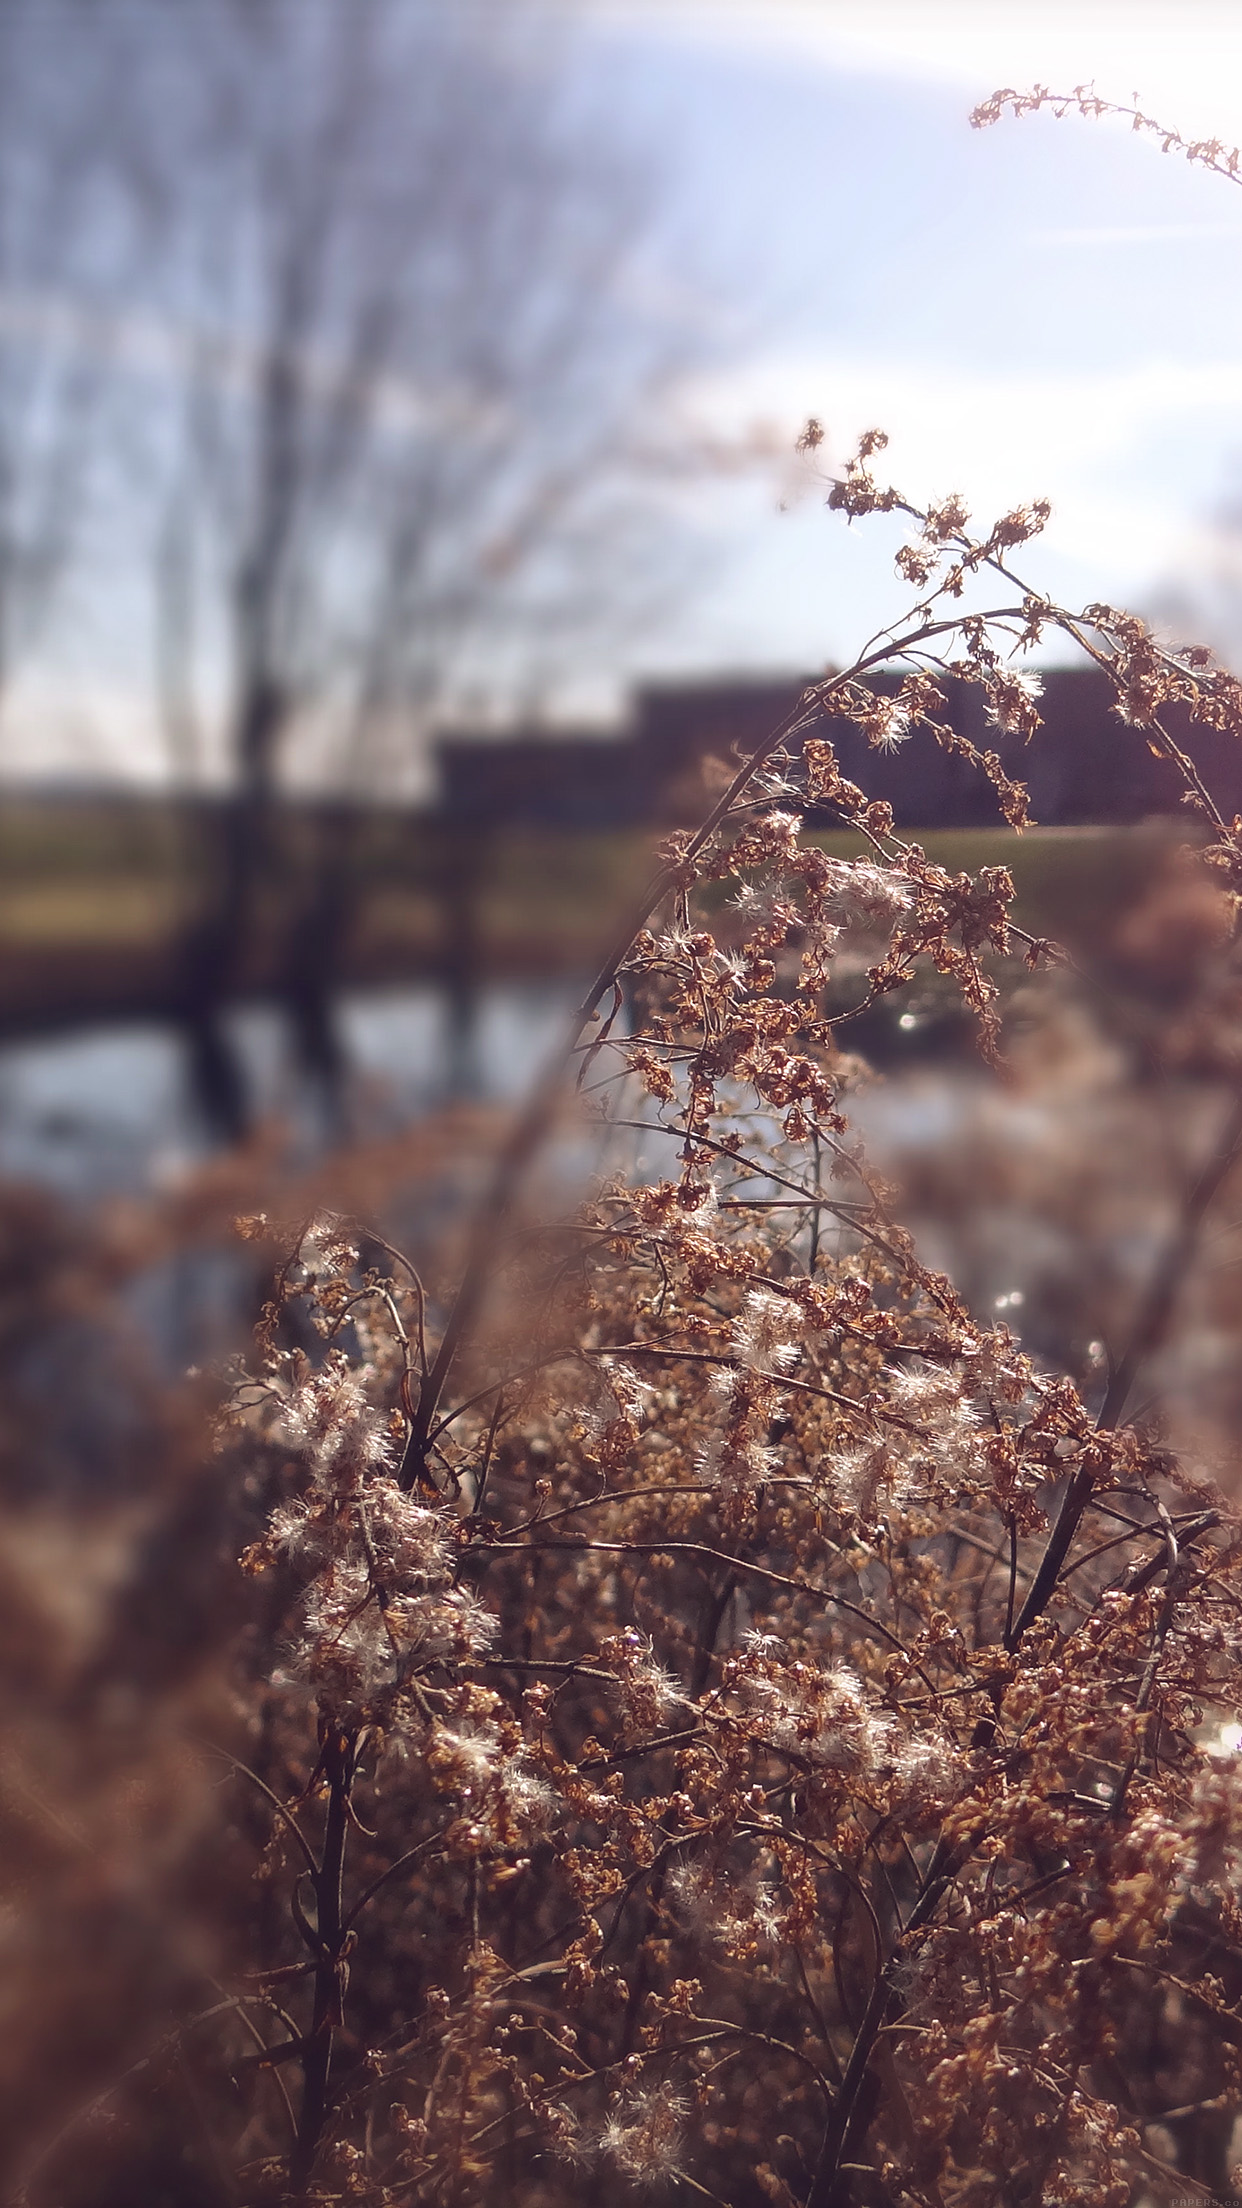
(1044, 308)
(1041, 309)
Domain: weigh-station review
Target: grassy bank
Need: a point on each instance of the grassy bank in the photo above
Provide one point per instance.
(94, 896)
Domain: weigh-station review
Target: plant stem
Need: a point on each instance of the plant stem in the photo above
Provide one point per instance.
(337, 1759)
(1149, 1330)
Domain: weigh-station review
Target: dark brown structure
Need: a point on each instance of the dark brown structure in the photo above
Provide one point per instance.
(1084, 768)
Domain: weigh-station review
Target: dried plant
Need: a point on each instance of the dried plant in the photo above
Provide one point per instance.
(720, 1720)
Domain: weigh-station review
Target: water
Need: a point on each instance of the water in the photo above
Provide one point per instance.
(993, 1178)
(108, 1110)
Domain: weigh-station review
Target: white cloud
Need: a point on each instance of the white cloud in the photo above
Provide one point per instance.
(1184, 59)
(1002, 437)
(1138, 233)
(1054, 381)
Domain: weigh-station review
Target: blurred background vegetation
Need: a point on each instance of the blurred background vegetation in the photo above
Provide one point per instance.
(369, 368)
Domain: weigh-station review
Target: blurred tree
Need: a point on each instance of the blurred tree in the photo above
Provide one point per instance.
(399, 471)
(66, 256)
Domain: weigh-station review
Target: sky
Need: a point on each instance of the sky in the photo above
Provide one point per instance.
(1048, 308)
(1045, 308)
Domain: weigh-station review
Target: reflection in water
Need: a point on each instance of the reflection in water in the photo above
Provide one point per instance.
(127, 1294)
(1046, 1199)
(109, 1109)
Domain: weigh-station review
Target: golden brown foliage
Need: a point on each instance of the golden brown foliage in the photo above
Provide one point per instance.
(741, 1678)
(720, 1719)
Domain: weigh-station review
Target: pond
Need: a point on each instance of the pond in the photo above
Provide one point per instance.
(1046, 1199)
(107, 1110)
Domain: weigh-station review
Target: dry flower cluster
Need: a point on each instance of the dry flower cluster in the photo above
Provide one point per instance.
(768, 1731)
(720, 1721)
